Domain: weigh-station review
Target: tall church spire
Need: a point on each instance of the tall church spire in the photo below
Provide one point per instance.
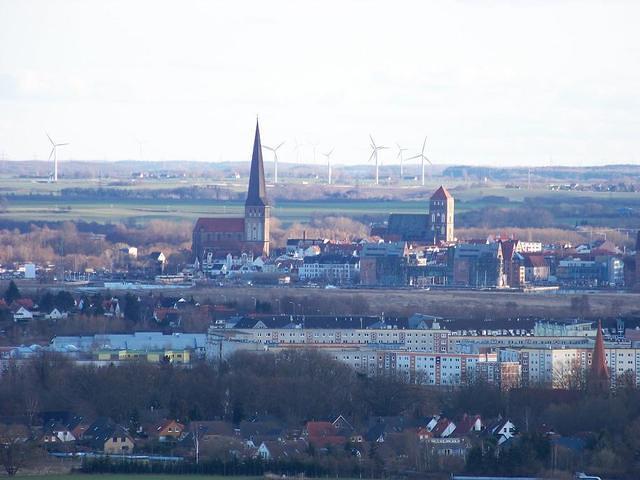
(257, 193)
(599, 371)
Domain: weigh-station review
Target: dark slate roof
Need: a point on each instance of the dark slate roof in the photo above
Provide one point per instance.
(257, 193)
(409, 226)
(323, 321)
(225, 225)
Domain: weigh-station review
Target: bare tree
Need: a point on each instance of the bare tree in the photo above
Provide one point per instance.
(16, 448)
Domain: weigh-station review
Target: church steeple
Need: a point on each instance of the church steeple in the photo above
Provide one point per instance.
(257, 193)
(599, 371)
(256, 209)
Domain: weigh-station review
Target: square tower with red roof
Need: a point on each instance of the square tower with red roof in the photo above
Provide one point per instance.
(441, 211)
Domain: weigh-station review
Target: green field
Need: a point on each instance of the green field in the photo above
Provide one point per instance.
(30, 200)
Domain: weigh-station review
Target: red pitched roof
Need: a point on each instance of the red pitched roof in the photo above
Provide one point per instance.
(440, 427)
(441, 194)
(324, 433)
(220, 224)
(466, 423)
(24, 302)
(508, 247)
(536, 261)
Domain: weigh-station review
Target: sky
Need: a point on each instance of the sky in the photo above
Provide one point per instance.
(496, 83)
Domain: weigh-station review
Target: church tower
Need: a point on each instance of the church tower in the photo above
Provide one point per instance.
(256, 208)
(599, 373)
(441, 213)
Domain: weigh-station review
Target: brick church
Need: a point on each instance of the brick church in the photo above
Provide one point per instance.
(434, 227)
(216, 237)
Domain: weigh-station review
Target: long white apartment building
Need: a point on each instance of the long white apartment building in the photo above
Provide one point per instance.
(438, 369)
(471, 343)
(413, 340)
(565, 367)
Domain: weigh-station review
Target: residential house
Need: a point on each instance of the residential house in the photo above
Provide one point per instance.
(157, 262)
(56, 314)
(456, 447)
(116, 441)
(56, 432)
(111, 308)
(468, 424)
(324, 434)
(381, 427)
(166, 430)
(22, 315)
(342, 426)
(443, 428)
(259, 429)
(332, 268)
(503, 430)
(282, 450)
(536, 269)
(167, 316)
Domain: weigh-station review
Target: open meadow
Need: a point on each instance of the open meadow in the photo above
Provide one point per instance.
(29, 200)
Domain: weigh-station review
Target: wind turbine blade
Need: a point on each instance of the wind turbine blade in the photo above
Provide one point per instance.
(372, 142)
(279, 145)
(424, 144)
(427, 159)
(51, 154)
(414, 157)
(268, 148)
(61, 144)
(373, 154)
(52, 143)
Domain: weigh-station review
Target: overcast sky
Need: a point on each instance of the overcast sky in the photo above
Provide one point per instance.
(491, 83)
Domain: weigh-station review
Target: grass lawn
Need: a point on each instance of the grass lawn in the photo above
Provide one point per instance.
(30, 205)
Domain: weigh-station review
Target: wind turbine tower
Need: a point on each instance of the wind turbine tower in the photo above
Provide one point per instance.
(328, 155)
(298, 149)
(374, 155)
(275, 161)
(422, 158)
(54, 155)
(400, 157)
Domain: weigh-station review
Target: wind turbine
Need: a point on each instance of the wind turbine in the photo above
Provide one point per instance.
(374, 154)
(298, 149)
(422, 158)
(275, 161)
(328, 155)
(399, 157)
(54, 154)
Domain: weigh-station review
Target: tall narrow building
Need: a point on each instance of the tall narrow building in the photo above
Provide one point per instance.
(215, 238)
(256, 208)
(441, 206)
(599, 373)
